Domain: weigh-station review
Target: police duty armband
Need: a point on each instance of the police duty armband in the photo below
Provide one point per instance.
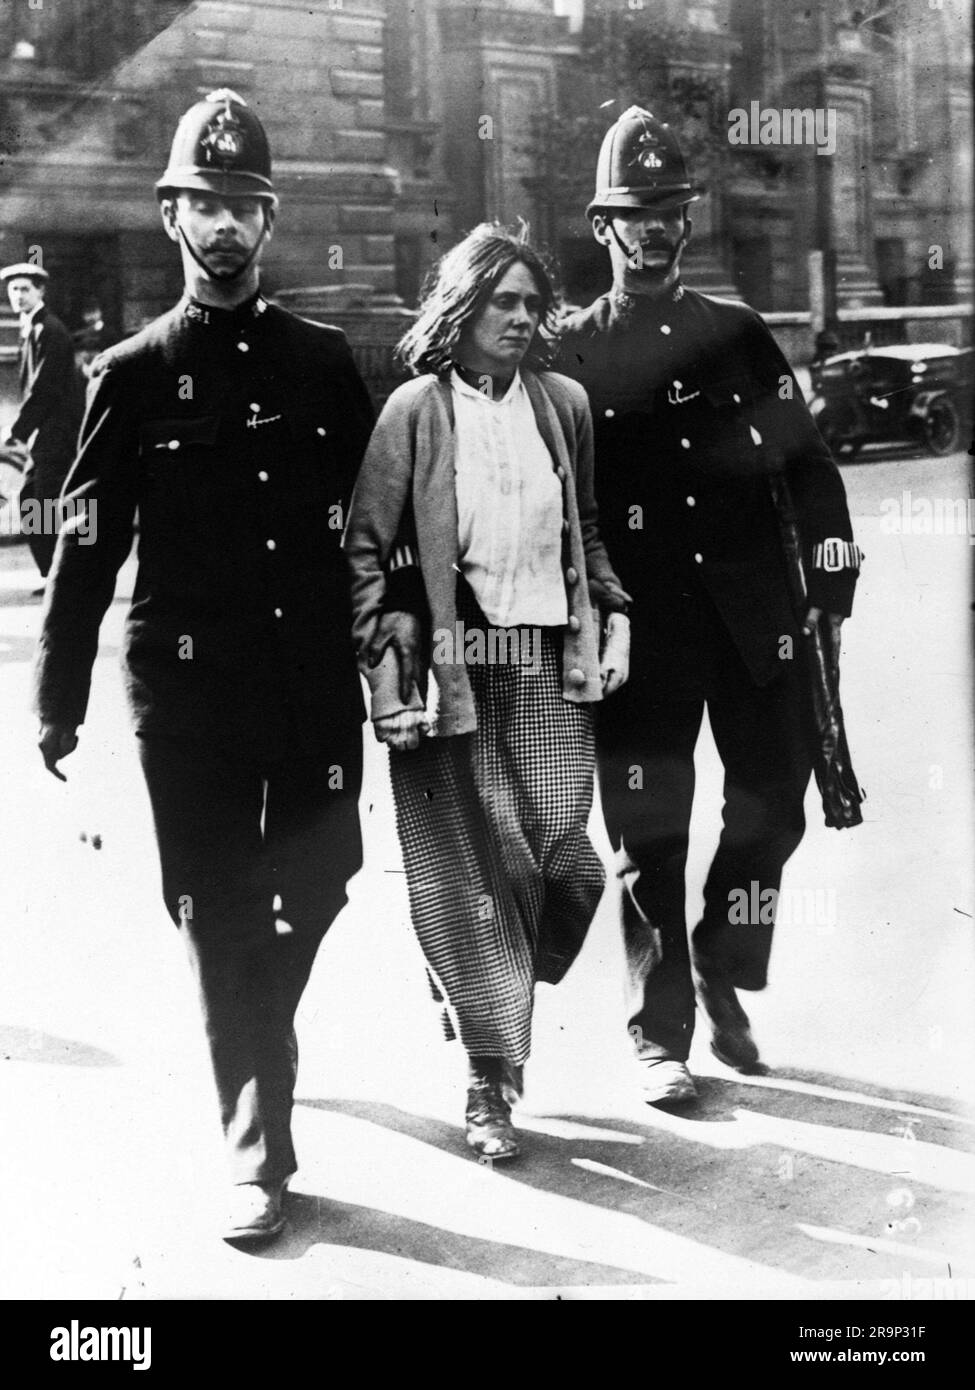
(404, 583)
(835, 554)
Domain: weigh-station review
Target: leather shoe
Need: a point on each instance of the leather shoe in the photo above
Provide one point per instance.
(731, 1038)
(255, 1211)
(490, 1132)
(664, 1081)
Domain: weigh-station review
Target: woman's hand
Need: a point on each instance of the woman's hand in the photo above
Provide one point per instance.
(404, 730)
(615, 664)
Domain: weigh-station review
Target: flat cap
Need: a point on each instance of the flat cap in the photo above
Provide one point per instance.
(26, 268)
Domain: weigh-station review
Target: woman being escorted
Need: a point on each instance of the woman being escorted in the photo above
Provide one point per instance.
(483, 464)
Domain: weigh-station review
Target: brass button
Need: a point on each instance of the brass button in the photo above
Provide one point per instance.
(279, 613)
(685, 444)
(572, 575)
(271, 545)
(173, 444)
(699, 558)
(665, 328)
(609, 414)
(321, 430)
(574, 623)
(263, 476)
(243, 347)
(577, 676)
(692, 501)
(560, 473)
(255, 407)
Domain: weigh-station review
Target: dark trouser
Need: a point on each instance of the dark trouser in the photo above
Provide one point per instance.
(42, 483)
(645, 750)
(232, 836)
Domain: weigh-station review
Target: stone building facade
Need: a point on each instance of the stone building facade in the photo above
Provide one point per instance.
(398, 124)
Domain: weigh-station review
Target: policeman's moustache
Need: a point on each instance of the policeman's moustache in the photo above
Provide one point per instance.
(226, 275)
(630, 254)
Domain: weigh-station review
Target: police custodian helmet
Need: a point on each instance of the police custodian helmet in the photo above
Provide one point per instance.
(219, 147)
(640, 165)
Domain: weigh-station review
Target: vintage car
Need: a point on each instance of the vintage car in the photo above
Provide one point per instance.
(917, 393)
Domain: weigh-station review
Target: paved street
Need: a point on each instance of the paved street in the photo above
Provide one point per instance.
(848, 1171)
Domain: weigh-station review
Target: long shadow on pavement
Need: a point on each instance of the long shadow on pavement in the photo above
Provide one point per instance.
(805, 1173)
(313, 1220)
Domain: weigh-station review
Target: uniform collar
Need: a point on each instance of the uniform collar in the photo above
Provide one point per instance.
(625, 307)
(228, 319)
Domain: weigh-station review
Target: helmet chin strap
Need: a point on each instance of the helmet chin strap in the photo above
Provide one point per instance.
(227, 277)
(628, 254)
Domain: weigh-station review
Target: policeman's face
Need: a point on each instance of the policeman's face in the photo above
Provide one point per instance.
(495, 341)
(645, 244)
(23, 294)
(222, 231)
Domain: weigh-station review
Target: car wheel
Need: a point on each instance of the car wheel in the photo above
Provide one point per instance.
(833, 425)
(942, 427)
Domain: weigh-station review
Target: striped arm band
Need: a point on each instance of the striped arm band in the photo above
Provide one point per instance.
(401, 557)
(836, 554)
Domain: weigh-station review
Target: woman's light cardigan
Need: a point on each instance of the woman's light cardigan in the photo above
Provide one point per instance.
(410, 458)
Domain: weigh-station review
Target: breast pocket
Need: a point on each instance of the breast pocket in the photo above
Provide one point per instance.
(313, 430)
(320, 452)
(732, 392)
(188, 480)
(736, 447)
(165, 445)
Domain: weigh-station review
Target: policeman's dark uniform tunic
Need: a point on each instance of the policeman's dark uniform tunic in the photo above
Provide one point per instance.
(237, 436)
(691, 409)
(52, 404)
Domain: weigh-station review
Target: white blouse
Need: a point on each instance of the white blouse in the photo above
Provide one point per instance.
(509, 506)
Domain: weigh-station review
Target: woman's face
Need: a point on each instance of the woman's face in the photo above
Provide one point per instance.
(495, 341)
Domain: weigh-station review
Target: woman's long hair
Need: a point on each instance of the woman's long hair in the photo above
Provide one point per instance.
(459, 286)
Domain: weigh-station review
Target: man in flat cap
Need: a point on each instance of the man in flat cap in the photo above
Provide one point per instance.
(694, 407)
(45, 431)
(236, 429)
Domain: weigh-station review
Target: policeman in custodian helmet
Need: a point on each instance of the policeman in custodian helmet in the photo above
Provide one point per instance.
(219, 147)
(641, 166)
(235, 430)
(640, 163)
(693, 404)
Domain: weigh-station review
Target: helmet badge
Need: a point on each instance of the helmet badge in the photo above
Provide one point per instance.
(646, 155)
(223, 144)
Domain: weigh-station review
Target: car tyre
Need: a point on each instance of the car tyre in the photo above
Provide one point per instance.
(942, 427)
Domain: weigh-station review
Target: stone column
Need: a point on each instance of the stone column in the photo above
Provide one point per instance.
(499, 71)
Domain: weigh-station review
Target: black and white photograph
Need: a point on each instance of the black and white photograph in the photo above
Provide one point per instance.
(486, 537)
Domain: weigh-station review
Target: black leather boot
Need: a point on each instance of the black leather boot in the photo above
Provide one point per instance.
(731, 1037)
(490, 1132)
